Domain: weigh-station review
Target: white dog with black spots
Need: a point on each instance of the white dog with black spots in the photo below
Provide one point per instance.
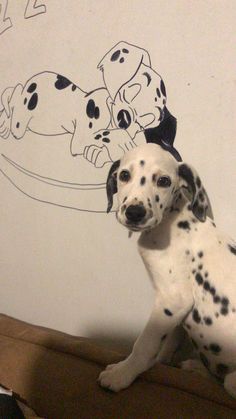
(190, 262)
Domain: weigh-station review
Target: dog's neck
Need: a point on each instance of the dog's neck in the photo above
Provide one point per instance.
(178, 211)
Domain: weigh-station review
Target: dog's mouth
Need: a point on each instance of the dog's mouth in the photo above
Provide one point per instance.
(145, 225)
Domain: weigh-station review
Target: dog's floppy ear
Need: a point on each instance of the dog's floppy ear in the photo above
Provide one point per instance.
(111, 186)
(199, 200)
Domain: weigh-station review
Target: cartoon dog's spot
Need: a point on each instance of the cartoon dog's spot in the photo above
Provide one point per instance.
(62, 82)
(18, 125)
(163, 89)
(90, 125)
(115, 56)
(25, 101)
(33, 102)
(92, 110)
(103, 137)
(32, 88)
(158, 92)
(124, 119)
(149, 79)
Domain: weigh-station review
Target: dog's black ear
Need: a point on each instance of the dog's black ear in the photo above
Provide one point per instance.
(200, 205)
(111, 186)
(164, 134)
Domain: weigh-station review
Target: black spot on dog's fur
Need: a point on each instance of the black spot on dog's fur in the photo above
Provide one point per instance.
(142, 162)
(149, 79)
(184, 225)
(215, 348)
(168, 312)
(32, 87)
(62, 82)
(208, 321)
(18, 125)
(163, 89)
(225, 301)
(92, 110)
(232, 249)
(216, 299)
(199, 278)
(142, 181)
(158, 92)
(196, 316)
(200, 254)
(33, 102)
(206, 286)
(115, 56)
(224, 311)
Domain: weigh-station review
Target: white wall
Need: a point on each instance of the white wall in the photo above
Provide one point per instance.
(78, 271)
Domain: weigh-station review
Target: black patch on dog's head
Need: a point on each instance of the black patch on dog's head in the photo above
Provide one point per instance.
(111, 184)
(33, 102)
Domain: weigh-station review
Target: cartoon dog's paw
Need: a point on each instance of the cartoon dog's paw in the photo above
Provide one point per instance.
(96, 155)
(117, 140)
(5, 125)
(116, 376)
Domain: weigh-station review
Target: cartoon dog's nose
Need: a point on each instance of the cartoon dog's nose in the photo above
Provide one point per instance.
(135, 213)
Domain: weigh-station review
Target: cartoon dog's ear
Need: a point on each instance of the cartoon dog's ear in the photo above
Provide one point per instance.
(120, 64)
(190, 180)
(111, 185)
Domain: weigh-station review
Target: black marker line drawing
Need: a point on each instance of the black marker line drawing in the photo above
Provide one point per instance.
(102, 123)
(5, 22)
(33, 9)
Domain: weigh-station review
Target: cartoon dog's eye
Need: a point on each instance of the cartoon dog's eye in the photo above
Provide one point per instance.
(124, 176)
(164, 181)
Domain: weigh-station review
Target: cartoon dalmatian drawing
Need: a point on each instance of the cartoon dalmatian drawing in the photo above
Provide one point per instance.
(103, 123)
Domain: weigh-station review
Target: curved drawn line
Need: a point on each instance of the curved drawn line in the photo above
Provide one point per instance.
(48, 202)
(5, 18)
(54, 182)
(40, 8)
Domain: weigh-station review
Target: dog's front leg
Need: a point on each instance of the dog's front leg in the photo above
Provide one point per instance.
(119, 376)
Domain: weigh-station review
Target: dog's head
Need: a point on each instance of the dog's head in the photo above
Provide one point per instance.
(148, 180)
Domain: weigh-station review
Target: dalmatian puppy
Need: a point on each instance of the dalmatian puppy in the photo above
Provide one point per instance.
(190, 262)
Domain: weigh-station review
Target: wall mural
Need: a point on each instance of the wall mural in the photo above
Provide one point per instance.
(102, 123)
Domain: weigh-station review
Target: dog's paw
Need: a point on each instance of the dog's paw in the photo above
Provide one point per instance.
(116, 376)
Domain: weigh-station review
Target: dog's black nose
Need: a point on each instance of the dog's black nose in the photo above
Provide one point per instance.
(135, 213)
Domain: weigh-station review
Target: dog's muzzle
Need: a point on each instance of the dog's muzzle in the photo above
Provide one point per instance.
(135, 213)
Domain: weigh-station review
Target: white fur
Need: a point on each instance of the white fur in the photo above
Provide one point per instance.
(192, 270)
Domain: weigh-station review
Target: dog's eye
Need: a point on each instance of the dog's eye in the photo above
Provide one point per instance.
(164, 181)
(124, 176)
